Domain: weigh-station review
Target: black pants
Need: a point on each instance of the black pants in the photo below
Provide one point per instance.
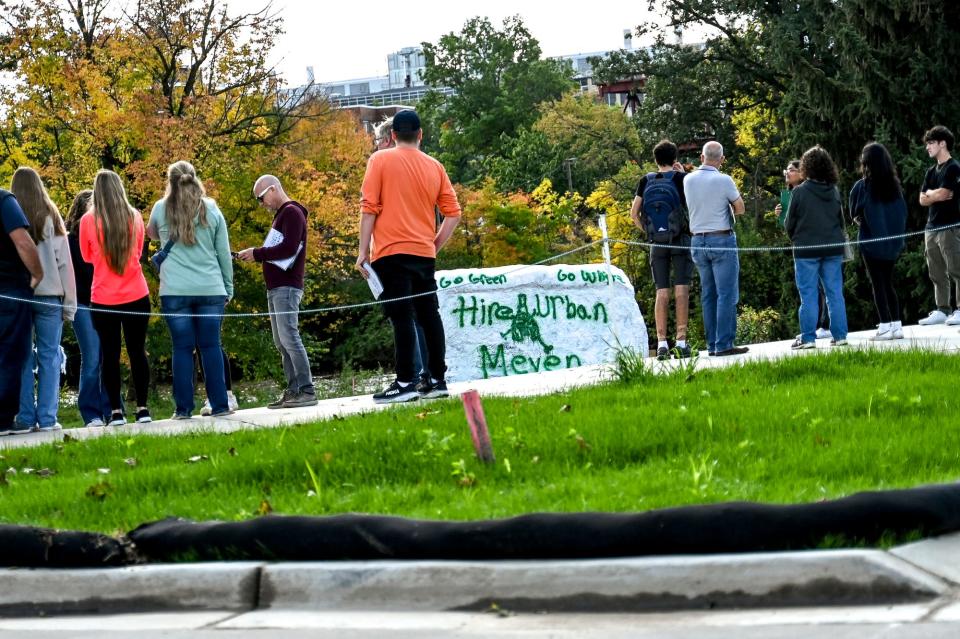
(884, 296)
(134, 328)
(15, 322)
(403, 275)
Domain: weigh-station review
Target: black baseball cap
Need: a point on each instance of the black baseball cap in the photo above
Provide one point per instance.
(406, 121)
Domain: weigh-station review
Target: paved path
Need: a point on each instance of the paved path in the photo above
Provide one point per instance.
(938, 338)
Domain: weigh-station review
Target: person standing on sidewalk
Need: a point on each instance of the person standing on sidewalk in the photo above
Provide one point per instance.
(659, 210)
(55, 301)
(942, 237)
(20, 272)
(398, 238)
(712, 201)
(879, 209)
(111, 238)
(196, 278)
(283, 256)
(815, 218)
(92, 399)
(384, 141)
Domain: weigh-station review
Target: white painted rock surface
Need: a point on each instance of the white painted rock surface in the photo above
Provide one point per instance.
(515, 320)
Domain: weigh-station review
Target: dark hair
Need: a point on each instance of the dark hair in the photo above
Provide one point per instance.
(816, 164)
(665, 153)
(794, 163)
(879, 173)
(407, 137)
(81, 204)
(939, 133)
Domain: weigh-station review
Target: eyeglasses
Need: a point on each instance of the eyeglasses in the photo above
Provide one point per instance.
(263, 193)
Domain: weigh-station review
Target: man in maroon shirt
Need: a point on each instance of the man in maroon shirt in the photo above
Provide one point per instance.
(283, 256)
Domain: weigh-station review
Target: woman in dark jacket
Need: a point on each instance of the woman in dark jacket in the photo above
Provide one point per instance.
(878, 207)
(815, 220)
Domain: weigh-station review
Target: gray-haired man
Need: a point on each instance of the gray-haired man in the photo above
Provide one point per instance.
(712, 201)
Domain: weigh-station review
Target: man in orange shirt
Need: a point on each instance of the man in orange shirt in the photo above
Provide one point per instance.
(398, 238)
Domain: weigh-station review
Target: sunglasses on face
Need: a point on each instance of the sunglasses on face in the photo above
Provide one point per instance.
(263, 194)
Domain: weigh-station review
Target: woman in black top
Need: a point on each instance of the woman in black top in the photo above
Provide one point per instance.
(879, 209)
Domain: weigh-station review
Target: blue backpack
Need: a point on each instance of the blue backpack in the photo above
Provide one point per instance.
(663, 212)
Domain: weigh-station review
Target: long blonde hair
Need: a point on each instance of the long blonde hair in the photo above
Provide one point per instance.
(115, 218)
(28, 188)
(184, 196)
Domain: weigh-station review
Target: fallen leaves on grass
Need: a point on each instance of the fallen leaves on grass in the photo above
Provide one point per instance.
(265, 508)
(103, 471)
(100, 490)
(46, 472)
(427, 413)
(232, 452)
(197, 458)
(565, 408)
(131, 461)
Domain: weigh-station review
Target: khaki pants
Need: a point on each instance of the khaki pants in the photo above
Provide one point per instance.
(942, 250)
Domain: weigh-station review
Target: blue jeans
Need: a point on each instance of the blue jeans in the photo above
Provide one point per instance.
(202, 333)
(285, 301)
(719, 287)
(828, 271)
(92, 400)
(14, 346)
(47, 330)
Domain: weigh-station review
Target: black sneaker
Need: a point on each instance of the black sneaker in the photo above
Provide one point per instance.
(117, 419)
(663, 353)
(428, 389)
(280, 401)
(682, 352)
(303, 398)
(736, 350)
(396, 392)
(143, 416)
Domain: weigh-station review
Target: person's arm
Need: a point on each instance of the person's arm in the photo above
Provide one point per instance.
(27, 250)
(738, 206)
(447, 198)
(153, 232)
(367, 221)
(445, 232)
(789, 222)
(67, 279)
(292, 225)
(221, 242)
(635, 212)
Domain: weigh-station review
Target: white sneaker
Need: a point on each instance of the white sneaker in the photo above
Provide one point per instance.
(232, 403)
(823, 333)
(954, 318)
(96, 422)
(935, 317)
(897, 329)
(884, 333)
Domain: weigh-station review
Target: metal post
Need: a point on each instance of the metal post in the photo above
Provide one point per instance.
(606, 247)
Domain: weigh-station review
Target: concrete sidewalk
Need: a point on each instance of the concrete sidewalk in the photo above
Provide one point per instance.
(937, 338)
(917, 582)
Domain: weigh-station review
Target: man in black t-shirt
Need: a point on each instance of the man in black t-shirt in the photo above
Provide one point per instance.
(20, 272)
(661, 257)
(942, 237)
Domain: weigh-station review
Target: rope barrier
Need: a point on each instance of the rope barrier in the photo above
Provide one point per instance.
(312, 311)
(605, 242)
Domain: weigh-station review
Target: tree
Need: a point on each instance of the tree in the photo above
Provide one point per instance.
(596, 139)
(498, 79)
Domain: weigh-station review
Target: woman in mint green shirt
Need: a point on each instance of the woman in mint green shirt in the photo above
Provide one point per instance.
(196, 282)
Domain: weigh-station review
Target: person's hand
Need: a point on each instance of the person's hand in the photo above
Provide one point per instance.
(678, 167)
(778, 209)
(246, 255)
(34, 281)
(361, 260)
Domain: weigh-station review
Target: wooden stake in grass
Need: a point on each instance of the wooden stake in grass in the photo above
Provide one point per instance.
(478, 426)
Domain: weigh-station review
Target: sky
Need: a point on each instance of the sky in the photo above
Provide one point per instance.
(344, 39)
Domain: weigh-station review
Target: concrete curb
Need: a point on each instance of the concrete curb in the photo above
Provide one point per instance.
(168, 587)
(620, 585)
(766, 580)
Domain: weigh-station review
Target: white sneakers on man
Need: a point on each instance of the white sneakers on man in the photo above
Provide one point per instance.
(935, 317)
(954, 319)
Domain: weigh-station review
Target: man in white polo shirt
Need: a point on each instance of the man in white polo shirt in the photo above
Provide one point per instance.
(712, 201)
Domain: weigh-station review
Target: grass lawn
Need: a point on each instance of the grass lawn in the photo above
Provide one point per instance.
(803, 429)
